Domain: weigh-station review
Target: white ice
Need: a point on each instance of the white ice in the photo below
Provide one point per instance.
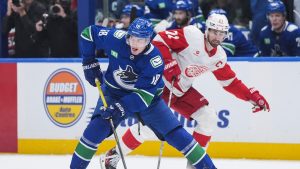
(13, 161)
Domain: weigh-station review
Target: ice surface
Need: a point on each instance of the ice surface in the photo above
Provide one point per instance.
(14, 161)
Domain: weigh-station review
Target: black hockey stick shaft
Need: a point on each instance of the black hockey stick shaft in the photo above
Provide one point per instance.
(133, 14)
(161, 149)
(111, 122)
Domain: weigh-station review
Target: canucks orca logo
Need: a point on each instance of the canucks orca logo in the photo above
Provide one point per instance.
(126, 78)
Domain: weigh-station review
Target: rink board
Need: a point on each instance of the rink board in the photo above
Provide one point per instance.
(55, 103)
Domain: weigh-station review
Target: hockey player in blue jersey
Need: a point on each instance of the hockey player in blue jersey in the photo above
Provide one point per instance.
(183, 15)
(125, 15)
(132, 87)
(236, 43)
(280, 37)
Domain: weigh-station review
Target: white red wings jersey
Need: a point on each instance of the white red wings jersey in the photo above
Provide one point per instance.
(187, 46)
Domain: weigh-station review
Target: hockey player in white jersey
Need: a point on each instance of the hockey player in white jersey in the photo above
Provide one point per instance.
(188, 53)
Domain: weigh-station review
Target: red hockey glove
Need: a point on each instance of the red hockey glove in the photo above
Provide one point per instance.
(171, 70)
(259, 102)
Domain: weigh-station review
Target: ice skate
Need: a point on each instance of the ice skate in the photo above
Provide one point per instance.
(110, 159)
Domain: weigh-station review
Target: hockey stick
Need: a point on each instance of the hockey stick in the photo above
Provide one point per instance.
(161, 149)
(111, 122)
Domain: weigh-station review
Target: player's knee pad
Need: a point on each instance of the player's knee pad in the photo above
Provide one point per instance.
(206, 118)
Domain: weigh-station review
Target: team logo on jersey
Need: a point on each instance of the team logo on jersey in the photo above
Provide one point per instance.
(119, 34)
(156, 61)
(64, 97)
(87, 34)
(195, 70)
(125, 78)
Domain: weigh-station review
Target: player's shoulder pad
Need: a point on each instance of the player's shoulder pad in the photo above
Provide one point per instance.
(291, 27)
(191, 30)
(87, 34)
(119, 34)
(154, 57)
(90, 32)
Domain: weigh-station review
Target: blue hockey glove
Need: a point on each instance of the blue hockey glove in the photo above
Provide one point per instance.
(92, 71)
(115, 110)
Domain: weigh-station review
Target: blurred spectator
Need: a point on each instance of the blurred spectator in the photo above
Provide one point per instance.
(59, 27)
(236, 43)
(116, 7)
(280, 37)
(183, 15)
(157, 10)
(197, 11)
(22, 16)
(259, 19)
(125, 16)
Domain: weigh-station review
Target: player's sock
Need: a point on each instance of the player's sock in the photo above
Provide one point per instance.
(184, 142)
(83, 154)
(202, 139)
(130, 141)
(97, 130)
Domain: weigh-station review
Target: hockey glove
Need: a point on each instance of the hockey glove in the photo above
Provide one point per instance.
(92, 71)
(171, 70)
(114, 110)
(259, 102)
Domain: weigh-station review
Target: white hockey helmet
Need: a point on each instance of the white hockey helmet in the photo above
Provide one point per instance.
(218, 22)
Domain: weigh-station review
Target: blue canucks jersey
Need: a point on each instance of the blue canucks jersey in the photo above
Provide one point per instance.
(157, 10)
(135, 80)
(236, 44)
(286, 43)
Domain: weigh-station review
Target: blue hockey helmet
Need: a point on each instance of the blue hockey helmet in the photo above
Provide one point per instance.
(141, 28)
(127, 10)
(276, 6)
(218, 11)
(184, 5)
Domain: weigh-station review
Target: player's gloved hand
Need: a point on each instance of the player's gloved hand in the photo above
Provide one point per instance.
(171, 70)
(259, 102)
(114, 110)
(91, 69)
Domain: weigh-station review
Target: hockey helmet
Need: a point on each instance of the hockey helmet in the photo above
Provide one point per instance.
(217, 22)
(184, 5)
(141, 28)
(276, 6)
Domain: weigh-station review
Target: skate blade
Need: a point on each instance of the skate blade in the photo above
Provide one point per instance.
(102, 161)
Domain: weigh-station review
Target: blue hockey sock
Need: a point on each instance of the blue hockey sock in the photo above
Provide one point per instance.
(94, 134)
(184, 142)
(83, 154)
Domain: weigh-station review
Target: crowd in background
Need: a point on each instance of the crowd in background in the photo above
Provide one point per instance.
(40, 28)
(48, 28)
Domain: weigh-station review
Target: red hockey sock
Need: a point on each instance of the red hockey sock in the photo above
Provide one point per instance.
(201, 139)
(130, 141)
